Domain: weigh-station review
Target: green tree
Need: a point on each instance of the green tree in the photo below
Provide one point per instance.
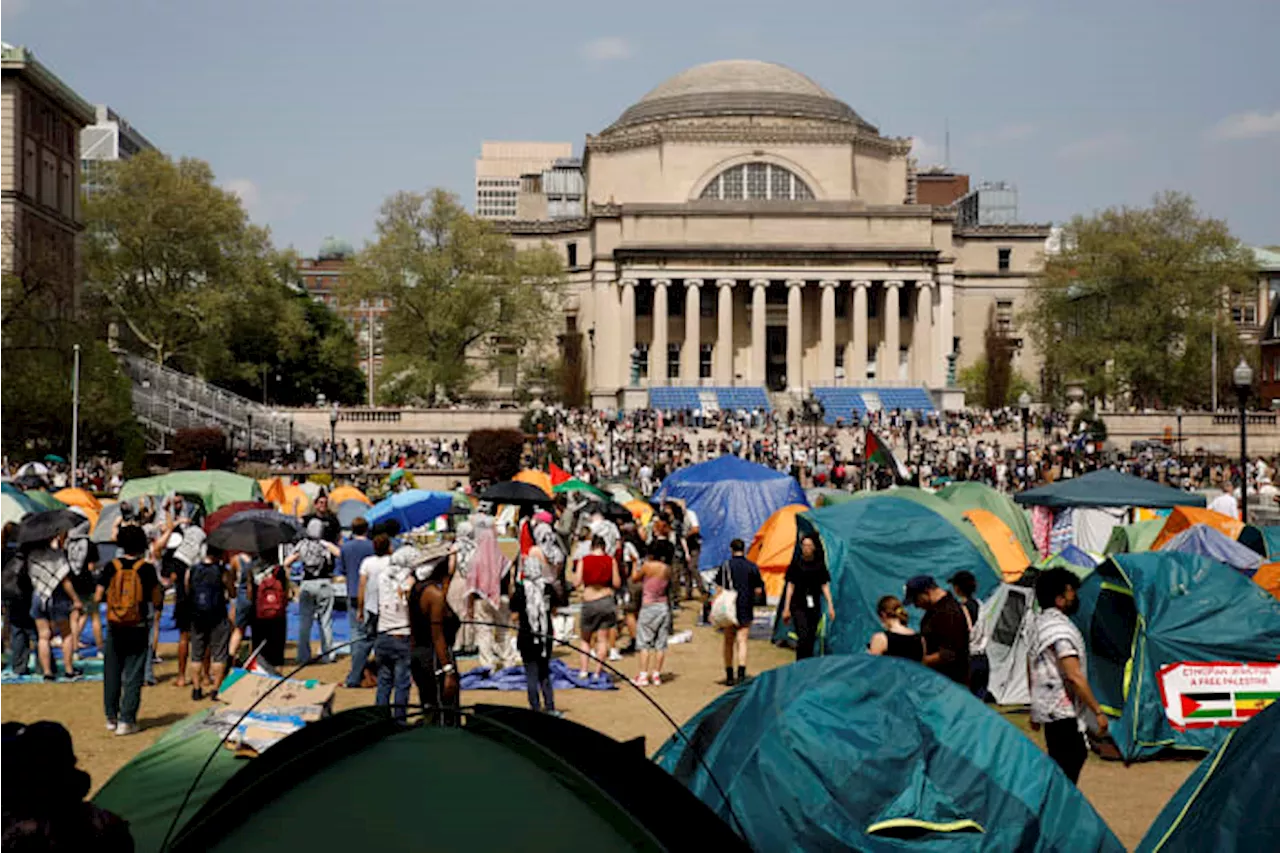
(465, 299)
(1130, 303)
(973, 379)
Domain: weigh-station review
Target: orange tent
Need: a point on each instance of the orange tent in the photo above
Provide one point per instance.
(348, 493)
(533, 477)
(773, 546)
(293, 501)
(1268, 577)
(272, 490)
(78, 497)
(1183, 517)
(1002, 542)
(640, 510)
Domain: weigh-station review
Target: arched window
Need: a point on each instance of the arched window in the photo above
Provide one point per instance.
(763, 181)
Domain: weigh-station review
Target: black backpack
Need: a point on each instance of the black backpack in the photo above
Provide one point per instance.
(208, 595)
(16, 580)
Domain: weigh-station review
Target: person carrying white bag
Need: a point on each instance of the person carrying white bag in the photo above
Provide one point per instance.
(733, 607)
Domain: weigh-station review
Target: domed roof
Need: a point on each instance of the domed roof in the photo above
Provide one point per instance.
(739, 87)
(332, 248)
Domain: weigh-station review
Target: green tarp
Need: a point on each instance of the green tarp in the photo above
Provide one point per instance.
(215, 488)
(969, 495)
(1107, 488)
(1130, 538)
(854, 752)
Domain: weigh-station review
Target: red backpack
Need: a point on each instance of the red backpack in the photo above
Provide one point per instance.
(270, 601)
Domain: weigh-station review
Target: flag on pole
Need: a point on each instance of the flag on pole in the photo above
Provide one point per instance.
(558, 474)
(258, 665)
(878, 452)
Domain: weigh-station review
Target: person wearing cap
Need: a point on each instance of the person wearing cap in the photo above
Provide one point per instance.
(315, 593)
(964, 586)
(945, 628)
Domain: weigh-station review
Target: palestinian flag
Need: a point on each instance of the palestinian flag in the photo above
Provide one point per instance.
(1207, 706)
(878, 452)
(1249, 704)
(558, 474)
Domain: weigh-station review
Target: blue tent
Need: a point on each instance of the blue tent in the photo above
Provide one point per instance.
(874, 544)
(1208, 542)
(411, 508)
(1145, 617)
(1231, 801)
(732, 498)
(864, 753)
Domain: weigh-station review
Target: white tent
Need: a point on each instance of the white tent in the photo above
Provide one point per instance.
(1004, 624)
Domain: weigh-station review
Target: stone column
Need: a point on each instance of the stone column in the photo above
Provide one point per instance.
(856, 363)
(601, 345)
(921, 351)
(658, 346)
(759, 313)
(795, 327)
(827, 333)
(692, 349)
(892, 331)
(945, 325)
(724, 332)
(626, 330)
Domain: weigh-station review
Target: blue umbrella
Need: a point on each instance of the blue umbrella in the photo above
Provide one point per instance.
(412, 508)
(349, 511)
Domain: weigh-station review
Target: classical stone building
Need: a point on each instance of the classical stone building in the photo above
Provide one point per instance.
(746, 229)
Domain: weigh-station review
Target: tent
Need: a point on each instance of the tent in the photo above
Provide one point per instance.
(1106, 487)
(78, 497)
(44, 500)
(732, 498)
(1008, 551)
(1268, 577)
(534, 477)
(1004, 620)
(1271, 540)
(1159, 624)
(874, 544)
(424, 787)
(1210, 542)
(214, 488)
(856, 752)
(272, 490)
(347, 493)
(774, 545)
(294, 501)
(15, 504)
(965, 496)
(1130, 538)
(1184, 517)
(1071, 558)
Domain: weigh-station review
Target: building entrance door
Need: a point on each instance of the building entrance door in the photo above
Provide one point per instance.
(775, 360)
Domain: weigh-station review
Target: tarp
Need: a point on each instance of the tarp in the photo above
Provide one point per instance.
(1142, 615)
(874, 544)
(43, 499)
(773, 547)
(1009, 553)
(856, 752)
(512, 678)
(215, 488)
(732, 498)
(1106, 487)
(1131, 538)
(1210, 542)
(971, 495)
(1183, 517)
(1231, 801)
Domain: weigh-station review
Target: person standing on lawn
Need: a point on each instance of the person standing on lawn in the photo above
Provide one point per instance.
(210, 586)
(315, 593)
(351, 554)
(531, 604)
(130, 585)
(945, 628)
(808, 584)
(743, 577)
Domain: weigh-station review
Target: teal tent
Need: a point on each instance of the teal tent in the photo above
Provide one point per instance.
(1107, 488)
(1152, 619)
(855, 752)
(1139, 536)
(874, 544)
(507, 778)
(1271, 541)
(1231, 801)
(969, 495)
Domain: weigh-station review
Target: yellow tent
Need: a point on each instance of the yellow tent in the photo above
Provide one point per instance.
(294, 501)
(773, 546)
(533, 477)
(272, 490)
(1002, 542)
(347, 493)
(1182, 517)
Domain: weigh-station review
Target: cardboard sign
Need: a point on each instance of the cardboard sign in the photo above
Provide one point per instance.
(308, 699)
(1205, 695)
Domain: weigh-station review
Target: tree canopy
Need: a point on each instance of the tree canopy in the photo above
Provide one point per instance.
(466, 300)
(1130, 303)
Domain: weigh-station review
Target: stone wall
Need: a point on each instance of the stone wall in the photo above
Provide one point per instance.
(1200, 431)
(377, 424)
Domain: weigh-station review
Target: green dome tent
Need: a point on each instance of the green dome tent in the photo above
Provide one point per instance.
(875, 543)
(1231, 802)
(215, 489)
(360, 780)
(879, 754)
(1131, 538)
(1179, 645)
(965, 496)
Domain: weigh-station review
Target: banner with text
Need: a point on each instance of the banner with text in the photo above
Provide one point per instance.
(1203, 695)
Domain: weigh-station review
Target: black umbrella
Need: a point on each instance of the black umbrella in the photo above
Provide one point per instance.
(513, 492)
(43, 526)
(252, 535)
(615, 512)
(31, 481)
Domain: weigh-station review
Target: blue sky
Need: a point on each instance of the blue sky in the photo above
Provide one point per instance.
(316, 111)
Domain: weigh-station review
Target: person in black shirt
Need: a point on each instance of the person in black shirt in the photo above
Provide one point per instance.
(807, 581)
(743, 577)
(945, 629)
(897, 640)
(965, 588)
(127, 642)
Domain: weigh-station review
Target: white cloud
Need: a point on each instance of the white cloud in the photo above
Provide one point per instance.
(1248, 125)
(246, 190)
(606, 49)
(925, 152)
(1100, 145)
(1004, 134)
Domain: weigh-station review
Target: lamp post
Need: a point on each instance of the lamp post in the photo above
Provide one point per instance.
(1243, 379)
(1024, 403)
(333, 444)
(1179, 412)
(908, 422)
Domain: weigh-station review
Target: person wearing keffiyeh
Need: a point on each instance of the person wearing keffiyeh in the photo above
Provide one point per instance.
(53, 602)
(531, 605)
(484, 593)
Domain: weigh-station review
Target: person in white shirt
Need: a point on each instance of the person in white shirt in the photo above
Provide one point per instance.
(392, 648)
(1225, 503)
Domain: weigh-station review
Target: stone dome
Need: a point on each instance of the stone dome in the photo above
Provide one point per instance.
(739, 87)
(333, 249)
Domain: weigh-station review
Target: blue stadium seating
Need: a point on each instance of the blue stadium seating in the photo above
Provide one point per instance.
(742, 398)
(674, 398)
(678, 398)
(841, 403)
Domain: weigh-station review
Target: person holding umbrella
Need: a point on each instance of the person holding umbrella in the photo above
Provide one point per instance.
(262, 586)
(53, 598)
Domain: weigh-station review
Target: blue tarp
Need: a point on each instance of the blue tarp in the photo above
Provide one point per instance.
(1207, 542)
(732, 498)
(512, 678)
(411, 508)
(855, 752)
(1140, 613)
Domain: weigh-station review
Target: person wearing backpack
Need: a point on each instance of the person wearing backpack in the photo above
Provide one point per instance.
(269, 604)
(315, 593)
(131, 588)
(210, 586)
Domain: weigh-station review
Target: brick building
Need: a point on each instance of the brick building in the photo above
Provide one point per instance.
(324, 278)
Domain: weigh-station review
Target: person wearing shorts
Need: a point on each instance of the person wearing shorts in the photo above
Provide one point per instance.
(211, 630)
(597, 576)
(654, 624)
